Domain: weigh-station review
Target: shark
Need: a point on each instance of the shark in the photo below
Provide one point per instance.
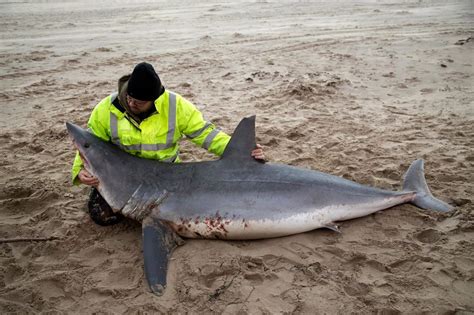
(233, 198)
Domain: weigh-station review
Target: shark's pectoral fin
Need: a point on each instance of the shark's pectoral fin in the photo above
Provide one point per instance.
(332, 226)
(159, 241)
(143, 201)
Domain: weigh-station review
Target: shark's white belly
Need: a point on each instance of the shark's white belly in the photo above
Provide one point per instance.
(239, 228)
(242, 229)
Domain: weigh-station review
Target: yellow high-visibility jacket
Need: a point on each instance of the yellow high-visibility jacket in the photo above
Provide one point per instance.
(156, 137)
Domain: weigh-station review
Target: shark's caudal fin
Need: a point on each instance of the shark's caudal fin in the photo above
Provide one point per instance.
(242, 141)
(414, 180)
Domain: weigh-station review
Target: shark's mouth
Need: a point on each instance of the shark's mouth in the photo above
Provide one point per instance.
(83, 158)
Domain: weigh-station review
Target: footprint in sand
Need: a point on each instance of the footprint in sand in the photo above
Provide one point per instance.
(428, 236)
(357, 289)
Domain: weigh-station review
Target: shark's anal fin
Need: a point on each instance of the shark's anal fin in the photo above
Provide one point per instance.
(143, 201)
(242, 142)
(159, 241)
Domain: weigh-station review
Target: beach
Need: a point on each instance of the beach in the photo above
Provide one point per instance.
(354, 89)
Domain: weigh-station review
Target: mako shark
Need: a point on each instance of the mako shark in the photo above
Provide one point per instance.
(233, 198)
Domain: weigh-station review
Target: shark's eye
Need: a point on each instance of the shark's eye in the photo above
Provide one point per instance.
(86, 145)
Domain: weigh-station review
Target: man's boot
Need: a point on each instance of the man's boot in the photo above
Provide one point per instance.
(100, 212)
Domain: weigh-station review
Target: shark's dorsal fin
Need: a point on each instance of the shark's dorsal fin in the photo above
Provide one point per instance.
(242, 142)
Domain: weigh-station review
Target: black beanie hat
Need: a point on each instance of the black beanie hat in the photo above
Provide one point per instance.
(144, 83)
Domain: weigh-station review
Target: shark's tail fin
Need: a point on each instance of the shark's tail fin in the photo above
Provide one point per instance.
(414, 180)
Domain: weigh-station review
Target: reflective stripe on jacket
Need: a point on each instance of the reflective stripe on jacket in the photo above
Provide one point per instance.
(157, 136)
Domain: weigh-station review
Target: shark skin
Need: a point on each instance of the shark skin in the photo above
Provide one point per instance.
(234, 198)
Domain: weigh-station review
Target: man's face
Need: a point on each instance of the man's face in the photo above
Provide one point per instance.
(137, 106)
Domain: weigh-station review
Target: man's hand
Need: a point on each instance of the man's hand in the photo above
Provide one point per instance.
(87, 179)
(258, 154)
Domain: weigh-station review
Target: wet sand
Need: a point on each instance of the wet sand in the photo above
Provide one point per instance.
(358, 90)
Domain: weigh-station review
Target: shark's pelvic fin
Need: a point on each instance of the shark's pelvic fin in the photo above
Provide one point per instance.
(332, 226)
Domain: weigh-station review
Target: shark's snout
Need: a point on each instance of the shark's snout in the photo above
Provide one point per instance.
(79, 140)
(73, 130)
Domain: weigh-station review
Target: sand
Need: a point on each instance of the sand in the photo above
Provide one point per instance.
(355, 89)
